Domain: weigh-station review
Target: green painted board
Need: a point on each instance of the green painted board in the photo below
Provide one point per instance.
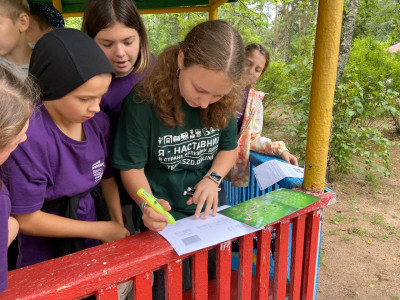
(270, 207)
(76, 6)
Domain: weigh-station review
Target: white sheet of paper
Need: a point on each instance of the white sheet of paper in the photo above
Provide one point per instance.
(272, 171)
(190, 234)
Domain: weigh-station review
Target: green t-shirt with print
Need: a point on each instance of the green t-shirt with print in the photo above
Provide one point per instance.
(173, 159)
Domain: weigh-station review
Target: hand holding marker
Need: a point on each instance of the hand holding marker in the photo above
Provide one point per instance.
(153, 203)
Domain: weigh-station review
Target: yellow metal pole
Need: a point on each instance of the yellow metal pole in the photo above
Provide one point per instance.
(326, 54)
(213, 8)
(216, 3)
(57, 5)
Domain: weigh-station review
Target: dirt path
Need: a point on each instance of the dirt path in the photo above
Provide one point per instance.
(360, 255)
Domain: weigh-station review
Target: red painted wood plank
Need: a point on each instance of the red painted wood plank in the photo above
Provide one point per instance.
(245, 265)
(223, 274)
(108, 293)
(311, 252)
(87, 271)
(142, 286)
(91, 270)
(281, 254)
(262, 267)
(173, 280)
(296, 268)
(200, 275)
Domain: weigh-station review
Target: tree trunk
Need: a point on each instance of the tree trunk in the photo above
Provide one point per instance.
(347, 38)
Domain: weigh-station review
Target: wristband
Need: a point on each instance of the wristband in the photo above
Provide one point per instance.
(143, 205)
(214, 176)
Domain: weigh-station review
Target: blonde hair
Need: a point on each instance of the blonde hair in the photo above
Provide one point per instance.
(17, 100)
(213, 45)
(13, 8)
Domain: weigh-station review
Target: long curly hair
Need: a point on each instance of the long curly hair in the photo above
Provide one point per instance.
(213, 45)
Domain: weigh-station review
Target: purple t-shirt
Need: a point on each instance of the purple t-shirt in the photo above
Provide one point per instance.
(5, 208)
(50, 165)
(111, 103)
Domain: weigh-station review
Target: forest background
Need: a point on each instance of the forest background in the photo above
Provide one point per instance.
(368, 85)
(360, 252)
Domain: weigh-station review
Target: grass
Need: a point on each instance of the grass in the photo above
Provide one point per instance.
(378, 219)
(353, 220)
(359, 231)
(336, 219)
(346, 238)
(374, 180)
(322, 257)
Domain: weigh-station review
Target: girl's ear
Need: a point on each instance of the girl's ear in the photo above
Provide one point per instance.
(23, 20)
(180, 59)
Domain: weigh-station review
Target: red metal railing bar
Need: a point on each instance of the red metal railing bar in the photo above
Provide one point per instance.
(224, 259)
(281, 254)
(297, 257)
(200, 275)
(107, 293)
(173, 280)
(98, 270)
(263, 258)
(142, 286)
(310, 254)
(245, 266)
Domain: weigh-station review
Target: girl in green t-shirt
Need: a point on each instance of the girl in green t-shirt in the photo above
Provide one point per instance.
(177, 129)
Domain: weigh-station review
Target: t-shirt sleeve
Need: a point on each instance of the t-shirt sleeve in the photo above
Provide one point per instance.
(228, 137)
(132, 137)
(26, 178)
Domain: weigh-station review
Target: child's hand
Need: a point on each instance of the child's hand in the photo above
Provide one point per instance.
(289, 158)
(112, 231)
(152, 219)
(206, 193)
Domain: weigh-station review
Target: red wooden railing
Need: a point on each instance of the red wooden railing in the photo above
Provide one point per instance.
(98, 270)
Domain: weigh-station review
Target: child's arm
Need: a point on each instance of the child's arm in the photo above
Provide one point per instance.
(207, 189)
(135, 179)
(111, 196)
(13, 228)
(44, 224)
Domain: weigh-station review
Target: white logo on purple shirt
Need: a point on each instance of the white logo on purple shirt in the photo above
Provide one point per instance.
(98, 169)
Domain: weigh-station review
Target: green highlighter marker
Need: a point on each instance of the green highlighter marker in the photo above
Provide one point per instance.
(153, 203)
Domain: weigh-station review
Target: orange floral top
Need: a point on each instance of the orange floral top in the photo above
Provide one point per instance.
(250, 139)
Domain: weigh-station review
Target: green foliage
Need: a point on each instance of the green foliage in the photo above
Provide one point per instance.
(378, 18)
(367, 96)
(73, 22)
(370, 64)
(174, 28)
(363, 99)
(356, 133)
(288, 87)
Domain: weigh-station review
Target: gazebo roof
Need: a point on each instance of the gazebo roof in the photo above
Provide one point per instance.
(71, 8)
